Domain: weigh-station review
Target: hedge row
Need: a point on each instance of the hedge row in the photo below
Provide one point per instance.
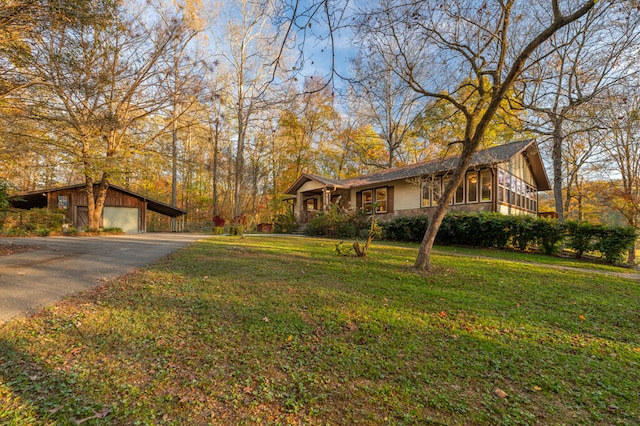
(520, 232)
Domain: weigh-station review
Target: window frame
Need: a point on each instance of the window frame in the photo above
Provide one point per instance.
(367, 206)
(468, 177)
(314, 204)
(63, 202)
(489, 176)
(376, 201)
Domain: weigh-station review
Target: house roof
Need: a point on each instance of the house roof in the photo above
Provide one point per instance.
(490, 156)
(37, 199)
(306, 177)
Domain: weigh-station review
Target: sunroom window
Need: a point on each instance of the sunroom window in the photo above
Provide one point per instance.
(485, 185)
(472, 187)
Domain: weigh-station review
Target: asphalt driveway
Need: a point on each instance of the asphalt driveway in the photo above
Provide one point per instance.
(62, 266)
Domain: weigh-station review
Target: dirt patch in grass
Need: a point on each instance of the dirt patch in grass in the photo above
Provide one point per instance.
(9, 249)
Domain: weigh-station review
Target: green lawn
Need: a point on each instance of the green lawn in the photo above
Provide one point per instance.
(264, 330)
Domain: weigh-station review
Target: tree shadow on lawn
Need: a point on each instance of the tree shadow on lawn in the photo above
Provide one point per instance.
(164, 351)
(222, 358)
(189, 344)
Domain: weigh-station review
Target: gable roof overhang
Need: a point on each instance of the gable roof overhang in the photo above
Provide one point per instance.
(38, 199)
(306, 177)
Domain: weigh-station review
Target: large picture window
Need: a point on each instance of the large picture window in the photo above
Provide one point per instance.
(430, 192)
(445, 182)
(459, 194)
(425, 201)
(381, 198)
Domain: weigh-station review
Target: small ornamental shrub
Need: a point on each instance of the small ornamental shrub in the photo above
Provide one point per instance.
(338, 223)
(284, 223)
(218, 225)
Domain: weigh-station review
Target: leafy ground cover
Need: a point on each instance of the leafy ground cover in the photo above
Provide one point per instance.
(265, 330)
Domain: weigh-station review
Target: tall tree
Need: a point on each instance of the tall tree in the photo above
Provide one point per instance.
(249, 52)
(17, 21)
(99, 62)
(389, 105)
(622, 121)
(586, 58)
(446, 50)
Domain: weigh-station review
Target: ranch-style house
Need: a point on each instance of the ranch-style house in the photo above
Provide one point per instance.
(504, 179)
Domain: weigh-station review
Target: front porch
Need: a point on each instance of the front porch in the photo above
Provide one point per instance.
(314, 194)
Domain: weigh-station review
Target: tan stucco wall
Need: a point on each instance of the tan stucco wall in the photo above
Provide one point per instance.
(310, 186)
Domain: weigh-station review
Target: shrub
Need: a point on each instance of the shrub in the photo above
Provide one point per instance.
(493, 230)
(39, 222)
(613, 242)
(338, 223)
(549, 234)
(581, 236)
(284, 223)
(408, 228)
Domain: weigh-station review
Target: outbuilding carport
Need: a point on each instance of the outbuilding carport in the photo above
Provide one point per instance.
(123, 209)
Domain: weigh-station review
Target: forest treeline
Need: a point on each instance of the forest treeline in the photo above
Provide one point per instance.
(217, 107)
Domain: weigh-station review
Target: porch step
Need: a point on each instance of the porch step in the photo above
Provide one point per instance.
(300, 230)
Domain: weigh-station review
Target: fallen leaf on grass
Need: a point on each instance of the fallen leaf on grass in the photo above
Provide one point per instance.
(500, 393)
(56, 409)
(537, 388)
(96, 415)
(582, 317)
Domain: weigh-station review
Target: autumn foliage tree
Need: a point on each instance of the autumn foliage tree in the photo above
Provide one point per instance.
(448, 50)
(98, 62)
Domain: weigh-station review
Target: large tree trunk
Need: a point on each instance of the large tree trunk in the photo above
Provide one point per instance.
(556, 154)
(95, 202)
(423, 261)
(216, 138)
(239, 172)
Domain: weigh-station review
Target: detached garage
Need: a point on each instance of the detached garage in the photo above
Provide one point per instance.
(123, 209)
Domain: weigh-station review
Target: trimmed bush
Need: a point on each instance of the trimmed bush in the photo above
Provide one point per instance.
(613, 242)
(408, 228)
(520, 232)
(549, 234)
(581, 236)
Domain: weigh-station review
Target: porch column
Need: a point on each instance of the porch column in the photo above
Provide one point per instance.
(325, 199)
(298, 211)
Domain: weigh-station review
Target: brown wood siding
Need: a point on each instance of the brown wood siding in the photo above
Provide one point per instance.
(359, 200)
(77, 197)
(390, 199)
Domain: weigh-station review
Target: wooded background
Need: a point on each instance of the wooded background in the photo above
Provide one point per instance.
(217, 107)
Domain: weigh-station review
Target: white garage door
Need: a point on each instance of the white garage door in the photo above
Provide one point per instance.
(125, 218)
